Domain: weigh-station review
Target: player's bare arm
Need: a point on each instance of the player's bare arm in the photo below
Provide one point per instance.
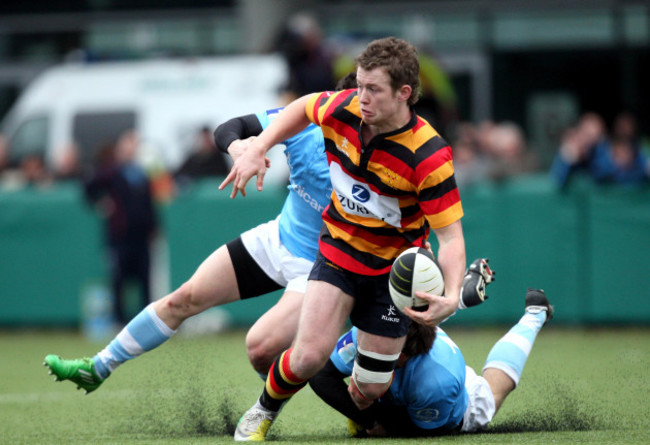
(252, 162)
(451, 257)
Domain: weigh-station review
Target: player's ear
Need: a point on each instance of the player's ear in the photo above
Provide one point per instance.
(404, 93)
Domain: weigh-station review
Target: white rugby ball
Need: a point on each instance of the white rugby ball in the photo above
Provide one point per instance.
(413, 270)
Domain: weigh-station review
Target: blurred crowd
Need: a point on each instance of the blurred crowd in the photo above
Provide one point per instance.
(485, 152)
(491, 151)
(32, 170)
(618, 156)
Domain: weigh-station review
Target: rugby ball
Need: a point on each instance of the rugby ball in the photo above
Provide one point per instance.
(413, 270)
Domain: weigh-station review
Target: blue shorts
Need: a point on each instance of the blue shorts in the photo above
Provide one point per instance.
(374, 311)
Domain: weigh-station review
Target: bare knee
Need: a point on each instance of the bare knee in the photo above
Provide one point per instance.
(306, 363)
(261, 353)
(181, 304)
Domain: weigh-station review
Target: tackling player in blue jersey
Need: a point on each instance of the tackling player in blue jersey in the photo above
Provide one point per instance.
(275, 255)
(433, 392)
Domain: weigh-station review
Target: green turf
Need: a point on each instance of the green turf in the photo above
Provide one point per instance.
(579, 386)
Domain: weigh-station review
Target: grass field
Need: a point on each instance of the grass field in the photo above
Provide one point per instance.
(579, 386)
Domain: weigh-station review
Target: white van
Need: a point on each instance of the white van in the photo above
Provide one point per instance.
(165, 101)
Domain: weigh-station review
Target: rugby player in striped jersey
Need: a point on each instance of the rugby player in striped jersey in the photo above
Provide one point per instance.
(392, 183)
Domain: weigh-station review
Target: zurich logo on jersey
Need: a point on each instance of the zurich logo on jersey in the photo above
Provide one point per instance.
(360, 193)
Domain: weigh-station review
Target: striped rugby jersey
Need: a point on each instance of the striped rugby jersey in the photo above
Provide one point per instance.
(385, 196)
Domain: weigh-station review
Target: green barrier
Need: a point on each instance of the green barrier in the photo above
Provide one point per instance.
(50, 249)
(586, 248)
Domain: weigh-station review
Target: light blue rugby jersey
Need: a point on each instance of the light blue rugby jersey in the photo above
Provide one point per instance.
(431, 386)
(309, 188)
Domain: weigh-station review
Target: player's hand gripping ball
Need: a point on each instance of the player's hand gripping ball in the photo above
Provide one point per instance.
(415, 269)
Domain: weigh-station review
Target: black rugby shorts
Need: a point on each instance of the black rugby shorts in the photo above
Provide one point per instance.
(374, 311)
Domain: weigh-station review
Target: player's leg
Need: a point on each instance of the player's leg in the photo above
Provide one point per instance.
(506, 360)
(274, 331)
(245, 267)
(381, 335)
(213, 283)
(322, 318)
(373, 367)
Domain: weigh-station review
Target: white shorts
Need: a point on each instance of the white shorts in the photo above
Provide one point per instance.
(264, 245)
(480, 405)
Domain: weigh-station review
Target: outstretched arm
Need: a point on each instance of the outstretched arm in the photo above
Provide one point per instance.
(289, 122)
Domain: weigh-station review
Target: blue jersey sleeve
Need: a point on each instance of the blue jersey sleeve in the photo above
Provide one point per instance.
(265, 117)
(345, 352)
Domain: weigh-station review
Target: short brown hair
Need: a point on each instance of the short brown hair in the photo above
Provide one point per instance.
(399, 58)
(419, 340)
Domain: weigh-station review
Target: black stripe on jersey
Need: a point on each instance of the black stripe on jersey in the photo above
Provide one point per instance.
(409, 211)
(430, 148)
(378, 231)
(368, 259)
(346, 117)
(439, 190)
(406, 155)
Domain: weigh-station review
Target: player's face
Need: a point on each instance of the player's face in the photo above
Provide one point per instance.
(378, 102)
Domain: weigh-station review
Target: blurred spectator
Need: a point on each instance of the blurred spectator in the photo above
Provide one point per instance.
(68, 166)
(34, 172)
(470, 165)
(205, 160)
(620, 162)
(586, 149)
(509, 152)
(121, 191)
(625, 127)
(308, 59)
(490, 151)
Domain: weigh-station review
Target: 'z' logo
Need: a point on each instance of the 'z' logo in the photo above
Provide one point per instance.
(360, 193)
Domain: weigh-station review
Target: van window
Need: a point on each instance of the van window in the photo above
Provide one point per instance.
(92, 131)
(30, 138)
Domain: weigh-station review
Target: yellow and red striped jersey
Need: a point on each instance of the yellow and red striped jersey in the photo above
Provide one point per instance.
(385, 196)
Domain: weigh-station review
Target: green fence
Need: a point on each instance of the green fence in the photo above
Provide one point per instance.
(586, 248)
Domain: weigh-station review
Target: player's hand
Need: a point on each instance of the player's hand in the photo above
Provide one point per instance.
(239, 146)
(440, 308)
(251, 162)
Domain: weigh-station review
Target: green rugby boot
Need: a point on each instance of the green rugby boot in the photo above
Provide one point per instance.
(80, 371)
